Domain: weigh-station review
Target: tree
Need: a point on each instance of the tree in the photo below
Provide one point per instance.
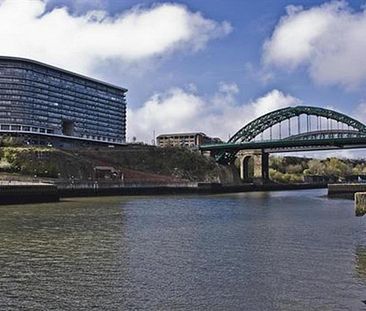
(316, 167)
(294, 169)
(336, 167)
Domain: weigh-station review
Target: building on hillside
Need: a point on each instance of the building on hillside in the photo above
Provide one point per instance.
(48, 105)
(189, 140)
(107, 172)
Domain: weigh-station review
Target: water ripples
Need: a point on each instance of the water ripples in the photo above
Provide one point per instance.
(269, 251)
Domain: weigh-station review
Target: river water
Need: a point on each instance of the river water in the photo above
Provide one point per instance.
(254, 251)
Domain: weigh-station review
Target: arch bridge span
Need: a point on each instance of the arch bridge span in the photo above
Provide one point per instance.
(277, 117)
(300, 128)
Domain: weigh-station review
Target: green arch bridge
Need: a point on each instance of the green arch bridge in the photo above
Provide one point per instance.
(292, 129)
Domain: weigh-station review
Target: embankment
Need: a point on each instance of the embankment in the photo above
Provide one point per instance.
(28, 193)
(345, 190)
(11, 194)
(135, 163)
(176, 189)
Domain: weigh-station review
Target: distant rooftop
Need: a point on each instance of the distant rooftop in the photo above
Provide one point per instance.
(182, 134)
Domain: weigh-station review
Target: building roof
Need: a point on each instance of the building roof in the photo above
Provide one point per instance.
(182, 134)
(105, 168)
(35, 62)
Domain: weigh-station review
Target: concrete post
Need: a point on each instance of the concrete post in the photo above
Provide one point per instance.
(360, 203)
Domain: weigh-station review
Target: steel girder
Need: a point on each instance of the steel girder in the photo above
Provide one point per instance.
(259, 125)
(325, 134)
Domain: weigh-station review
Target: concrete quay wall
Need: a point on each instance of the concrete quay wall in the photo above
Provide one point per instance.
(136, 189)
(28, 193)
(345, 190)
(360, 203)
(199, 188)
(36, 193)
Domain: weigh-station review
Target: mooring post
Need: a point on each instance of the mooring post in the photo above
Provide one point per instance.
(360, 203)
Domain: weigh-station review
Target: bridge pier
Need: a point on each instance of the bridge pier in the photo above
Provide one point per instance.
(254, 166)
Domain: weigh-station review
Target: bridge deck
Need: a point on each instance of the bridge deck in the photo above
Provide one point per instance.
(290, 145)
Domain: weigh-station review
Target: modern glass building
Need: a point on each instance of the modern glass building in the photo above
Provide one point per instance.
(42, 102)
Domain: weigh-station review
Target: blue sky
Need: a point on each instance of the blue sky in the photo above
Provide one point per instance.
(201, 65)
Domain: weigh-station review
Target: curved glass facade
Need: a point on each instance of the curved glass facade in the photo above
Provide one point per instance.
(36, 98)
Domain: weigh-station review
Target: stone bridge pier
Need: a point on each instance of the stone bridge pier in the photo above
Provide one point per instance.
(254, 166)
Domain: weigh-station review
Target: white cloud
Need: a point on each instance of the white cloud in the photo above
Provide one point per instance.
(179, 110)
(228, 88)
(168, 112)
(329, 40)
(84, 41)
(272, 101)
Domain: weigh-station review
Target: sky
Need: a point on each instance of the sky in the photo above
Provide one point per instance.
(201, 65)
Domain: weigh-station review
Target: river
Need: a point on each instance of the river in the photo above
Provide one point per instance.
(291, 250)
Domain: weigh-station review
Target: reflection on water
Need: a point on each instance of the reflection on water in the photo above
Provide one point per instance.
(258, 251)
(61, 255)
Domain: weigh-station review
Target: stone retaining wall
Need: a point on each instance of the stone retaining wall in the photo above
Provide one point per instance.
(28, 193)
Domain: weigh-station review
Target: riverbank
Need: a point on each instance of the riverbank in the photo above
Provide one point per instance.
(20, 193)
(10, 194)
(345, 190)
(200, 188)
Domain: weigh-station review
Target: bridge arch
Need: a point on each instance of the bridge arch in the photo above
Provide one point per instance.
(259, 125)
(246, 163)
